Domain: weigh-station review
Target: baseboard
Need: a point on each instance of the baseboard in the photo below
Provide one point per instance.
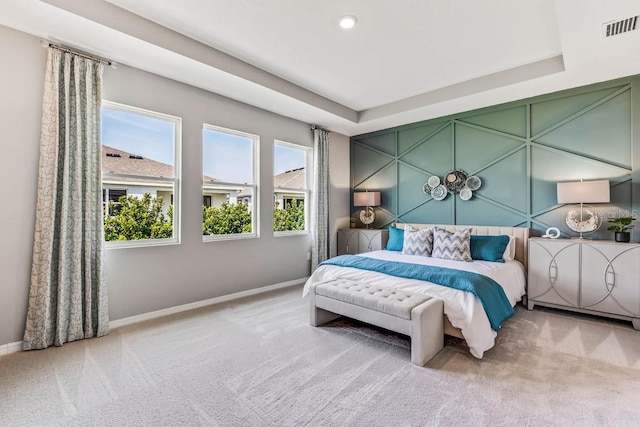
(198, 304)
(12, 347)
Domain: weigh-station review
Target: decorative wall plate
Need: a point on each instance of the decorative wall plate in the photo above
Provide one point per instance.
(466, 193)
(455, 180)
(439, 193)
(473, 182)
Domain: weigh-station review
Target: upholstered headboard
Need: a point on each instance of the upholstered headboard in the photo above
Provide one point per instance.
(520, 233)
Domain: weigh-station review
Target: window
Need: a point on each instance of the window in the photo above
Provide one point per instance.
(111, 200)
(140, 175)
(229, 183)
(291, 166)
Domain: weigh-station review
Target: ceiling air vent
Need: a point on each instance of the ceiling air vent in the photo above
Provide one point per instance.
(614, 28)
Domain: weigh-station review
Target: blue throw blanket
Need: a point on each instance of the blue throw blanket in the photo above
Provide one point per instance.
(491, 295)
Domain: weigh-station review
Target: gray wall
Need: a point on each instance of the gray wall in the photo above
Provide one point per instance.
(145, 279)
(519, 150)
(21, 86)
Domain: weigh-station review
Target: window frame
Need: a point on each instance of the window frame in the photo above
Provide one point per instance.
(255, 196)
(106, 197)
(307, 191)
(176, 181)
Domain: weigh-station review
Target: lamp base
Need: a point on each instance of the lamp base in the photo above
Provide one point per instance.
(367, 216)
(586, 220)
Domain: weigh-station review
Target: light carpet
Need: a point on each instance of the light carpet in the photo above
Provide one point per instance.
(256, 361)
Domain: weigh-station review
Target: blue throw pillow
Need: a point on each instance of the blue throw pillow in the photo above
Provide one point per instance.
(488, 248)
(396, 238)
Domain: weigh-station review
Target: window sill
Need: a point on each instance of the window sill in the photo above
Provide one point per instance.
(221, 237)
(124, 244)
(291, 233)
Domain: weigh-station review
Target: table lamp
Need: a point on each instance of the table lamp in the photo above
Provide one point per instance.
(368, 199)
(587, 220)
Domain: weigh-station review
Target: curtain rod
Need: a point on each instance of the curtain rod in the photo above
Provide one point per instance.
(314, 127)
(81, 54)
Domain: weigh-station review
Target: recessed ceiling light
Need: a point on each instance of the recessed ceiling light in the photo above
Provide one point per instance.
(348, 21)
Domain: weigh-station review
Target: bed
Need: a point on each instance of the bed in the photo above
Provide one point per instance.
(464, 315)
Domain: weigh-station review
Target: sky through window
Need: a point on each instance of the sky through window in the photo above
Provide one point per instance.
(225, 156)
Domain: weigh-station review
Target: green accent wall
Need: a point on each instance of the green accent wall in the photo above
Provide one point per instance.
(519, 150)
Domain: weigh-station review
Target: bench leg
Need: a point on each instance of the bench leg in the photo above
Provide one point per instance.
(318, 316)
(427, 331)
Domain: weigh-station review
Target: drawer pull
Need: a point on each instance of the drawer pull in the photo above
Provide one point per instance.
(613, 278)
(553, 272)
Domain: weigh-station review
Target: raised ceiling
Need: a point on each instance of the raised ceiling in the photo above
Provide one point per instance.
(403, 62)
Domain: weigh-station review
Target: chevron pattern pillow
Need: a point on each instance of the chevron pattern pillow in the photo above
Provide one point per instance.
(455, 246)
(417, 242)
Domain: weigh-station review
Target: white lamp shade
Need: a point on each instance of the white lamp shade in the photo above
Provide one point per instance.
(584, 192)
(369, 198)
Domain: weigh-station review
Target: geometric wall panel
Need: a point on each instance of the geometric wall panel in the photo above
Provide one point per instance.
(548, 113)
(366, 162)
(478, 211)
(520, 153)
(505, 182)
(383, 218)
(554, 218)
(621, 197)
(475, 148)
(433, 155)
(512, 121)
(551, 166)
(383, 181)
(432, 212)
(409, 137)
(603, 133)
(410, 192)
(385, 143)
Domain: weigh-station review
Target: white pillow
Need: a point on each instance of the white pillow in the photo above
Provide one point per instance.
(417, 242)
(455, 246)
(510, 250)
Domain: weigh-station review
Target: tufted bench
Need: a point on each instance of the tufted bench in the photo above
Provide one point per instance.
(419, 316)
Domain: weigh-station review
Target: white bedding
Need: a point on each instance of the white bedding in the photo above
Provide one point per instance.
(463, 309)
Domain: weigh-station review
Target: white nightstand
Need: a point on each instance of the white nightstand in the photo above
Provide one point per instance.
(591, 276)
(358, 240)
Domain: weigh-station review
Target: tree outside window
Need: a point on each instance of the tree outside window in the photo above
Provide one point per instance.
(290, 187)
(229, 186)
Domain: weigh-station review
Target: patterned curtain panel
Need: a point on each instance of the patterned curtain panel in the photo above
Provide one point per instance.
(320, 211)
(67, 298)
